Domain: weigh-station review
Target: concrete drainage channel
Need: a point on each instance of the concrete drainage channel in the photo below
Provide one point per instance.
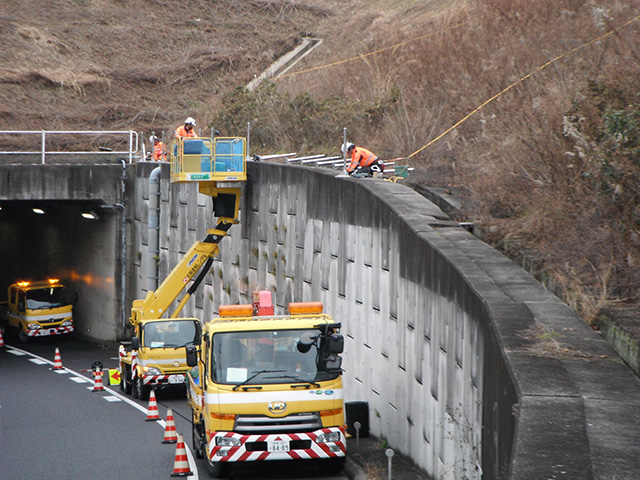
(287, 61)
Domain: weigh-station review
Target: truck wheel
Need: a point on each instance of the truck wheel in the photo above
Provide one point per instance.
(140, 390)
(125, 381)
(217, 469)
(331, 466)
(22, 337)
(198, 446)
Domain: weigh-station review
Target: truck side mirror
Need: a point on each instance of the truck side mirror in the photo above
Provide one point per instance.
(305, 342)
(192, 355)
(333, 364)
(135, 343)
(336, 343)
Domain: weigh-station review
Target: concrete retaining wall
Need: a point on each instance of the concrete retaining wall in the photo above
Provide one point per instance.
(468, 365)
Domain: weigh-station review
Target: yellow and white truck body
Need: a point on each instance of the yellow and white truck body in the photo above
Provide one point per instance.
(268, 388)
(38, 309)
(157, 358)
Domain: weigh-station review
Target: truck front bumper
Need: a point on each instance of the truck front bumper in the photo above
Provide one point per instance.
(164, 381)
(46, 331)
(234, 447)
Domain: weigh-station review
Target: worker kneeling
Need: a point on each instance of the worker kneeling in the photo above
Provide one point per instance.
(362, 161)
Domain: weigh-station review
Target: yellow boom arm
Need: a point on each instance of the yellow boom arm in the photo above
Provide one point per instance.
(205, 161)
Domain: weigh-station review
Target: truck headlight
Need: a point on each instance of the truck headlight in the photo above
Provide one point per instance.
(67, 323)
(227, 442)
(328, 437)
(151, 371)
(33, 326)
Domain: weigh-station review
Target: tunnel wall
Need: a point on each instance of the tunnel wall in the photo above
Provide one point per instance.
(86, 255)
(467, 364)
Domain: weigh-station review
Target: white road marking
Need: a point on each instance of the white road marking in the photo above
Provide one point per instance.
(192, 463)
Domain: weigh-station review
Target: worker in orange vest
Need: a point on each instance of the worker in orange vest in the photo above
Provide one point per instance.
(187, 130)
(159, 152)
(362, 161)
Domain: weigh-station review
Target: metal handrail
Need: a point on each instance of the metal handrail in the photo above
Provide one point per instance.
(133, 142)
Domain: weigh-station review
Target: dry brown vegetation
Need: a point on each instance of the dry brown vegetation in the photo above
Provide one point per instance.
(550, 167)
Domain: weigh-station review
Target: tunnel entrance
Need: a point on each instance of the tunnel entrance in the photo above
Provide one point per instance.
(72, 240)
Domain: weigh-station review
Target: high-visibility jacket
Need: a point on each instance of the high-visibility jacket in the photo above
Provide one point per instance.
(159, 153)
(361, 157)
(183, 132)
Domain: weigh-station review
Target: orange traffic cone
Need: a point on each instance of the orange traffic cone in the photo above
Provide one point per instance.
(1, 339)
(170, 435)
(57, 361)
(181, 463)
(152, 413)
(97, 381)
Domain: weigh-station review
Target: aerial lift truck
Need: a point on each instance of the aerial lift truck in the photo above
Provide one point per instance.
(156, 358)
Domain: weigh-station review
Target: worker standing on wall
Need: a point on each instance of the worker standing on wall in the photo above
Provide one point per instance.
(159, 152)
(362, 161)
(187, 130)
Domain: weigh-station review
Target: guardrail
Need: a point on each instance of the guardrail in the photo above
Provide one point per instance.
(130, 139)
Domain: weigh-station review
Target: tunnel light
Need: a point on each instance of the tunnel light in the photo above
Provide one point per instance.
(39, 211)
(89, 214)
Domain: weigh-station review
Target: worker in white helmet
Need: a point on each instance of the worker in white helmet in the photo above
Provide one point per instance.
(187, 130)
(361, 160)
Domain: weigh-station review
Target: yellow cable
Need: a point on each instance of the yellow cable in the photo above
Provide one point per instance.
(366, 54)
(520, 81)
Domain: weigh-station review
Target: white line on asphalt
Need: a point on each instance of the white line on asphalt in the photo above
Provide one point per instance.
(192, 463)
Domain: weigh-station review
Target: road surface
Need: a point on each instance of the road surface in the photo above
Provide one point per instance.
(54, 425)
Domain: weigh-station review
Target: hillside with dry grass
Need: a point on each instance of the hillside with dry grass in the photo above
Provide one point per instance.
(530, 109)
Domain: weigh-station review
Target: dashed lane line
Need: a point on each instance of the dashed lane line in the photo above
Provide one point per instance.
(112, 397)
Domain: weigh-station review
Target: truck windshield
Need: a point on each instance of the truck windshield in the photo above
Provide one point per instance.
(264, 357)
(48, 297)
(175, 333)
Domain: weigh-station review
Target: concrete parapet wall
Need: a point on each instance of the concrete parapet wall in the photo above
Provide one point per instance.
(468, 365)
(61, 182)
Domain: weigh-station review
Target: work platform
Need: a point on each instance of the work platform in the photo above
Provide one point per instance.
(204, 159)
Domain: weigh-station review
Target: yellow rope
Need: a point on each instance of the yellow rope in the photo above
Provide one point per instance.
(367, 54)
(520, 81)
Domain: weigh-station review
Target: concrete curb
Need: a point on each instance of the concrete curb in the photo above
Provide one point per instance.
(353, 470)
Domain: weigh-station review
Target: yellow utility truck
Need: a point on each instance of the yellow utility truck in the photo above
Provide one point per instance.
(156, 357)
(268, 387)
(37, 309)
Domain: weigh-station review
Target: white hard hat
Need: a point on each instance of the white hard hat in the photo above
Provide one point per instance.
(346, 146)
(190, 121)
(153, 139)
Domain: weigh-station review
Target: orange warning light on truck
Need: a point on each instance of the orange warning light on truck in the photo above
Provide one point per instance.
(37, 309)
